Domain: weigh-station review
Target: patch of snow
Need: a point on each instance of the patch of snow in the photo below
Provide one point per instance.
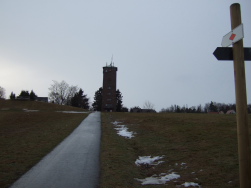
(149, 160)
(73, 112)
(26, 110)
(116, 123)
(123, 131)
(188, 184)
(158, 180)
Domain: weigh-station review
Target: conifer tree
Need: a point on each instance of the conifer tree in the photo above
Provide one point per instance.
(24, 93)
(80, 100)
(12, 96)
(119, 97)
(97, 103)
(33, 96)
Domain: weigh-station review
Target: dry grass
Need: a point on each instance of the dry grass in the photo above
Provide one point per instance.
(26, 137)
(207, 143)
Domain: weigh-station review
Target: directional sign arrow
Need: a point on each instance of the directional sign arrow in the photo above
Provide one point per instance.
(226, 53)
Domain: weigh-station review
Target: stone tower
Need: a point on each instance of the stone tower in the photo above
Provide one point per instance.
(109, 88)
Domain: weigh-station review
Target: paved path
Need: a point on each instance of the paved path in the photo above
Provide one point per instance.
(74, 163)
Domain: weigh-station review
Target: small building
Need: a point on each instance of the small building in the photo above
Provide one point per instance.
(139, 110)
(42, 99)
(27, 98)
(135, 110)
(213, 112)
(23, 98)
(231, 112)
(148, 111)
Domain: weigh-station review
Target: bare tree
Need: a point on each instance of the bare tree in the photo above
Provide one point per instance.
(148, 105)
(2, 93)
(61, 92)
(72, 90)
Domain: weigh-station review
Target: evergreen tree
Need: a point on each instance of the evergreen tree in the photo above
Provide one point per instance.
(212, 107)
(124, 109)
(33, 96)
(178, 110)
(80, 100)
(12, 96)
(199, 109)
(97, 103)
(119, 97)
(24, 94)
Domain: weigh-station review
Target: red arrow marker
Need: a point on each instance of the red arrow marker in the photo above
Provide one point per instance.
(232, 36)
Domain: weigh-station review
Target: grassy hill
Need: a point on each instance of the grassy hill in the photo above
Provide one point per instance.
(35, 105)
(201, 148)
(28, 131)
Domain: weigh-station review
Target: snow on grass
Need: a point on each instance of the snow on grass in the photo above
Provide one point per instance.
(188, 184)
(116, 123)
(148, 160)
(122, 130)
(73, 112)
(26, 110)
(161, 179)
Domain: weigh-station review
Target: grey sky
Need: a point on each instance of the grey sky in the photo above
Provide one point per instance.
(163, 49)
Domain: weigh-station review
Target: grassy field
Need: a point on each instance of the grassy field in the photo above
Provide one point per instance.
(201, 148)
(26, 136)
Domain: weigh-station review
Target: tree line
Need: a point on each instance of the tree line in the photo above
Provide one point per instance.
(24, 95)
(207, 108)
(60, 93)
(64, 94)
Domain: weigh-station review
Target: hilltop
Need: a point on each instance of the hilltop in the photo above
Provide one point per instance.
(34, 105)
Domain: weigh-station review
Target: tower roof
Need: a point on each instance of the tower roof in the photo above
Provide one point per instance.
(111, 64)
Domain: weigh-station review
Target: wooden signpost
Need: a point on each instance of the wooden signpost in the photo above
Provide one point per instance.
(241, 97)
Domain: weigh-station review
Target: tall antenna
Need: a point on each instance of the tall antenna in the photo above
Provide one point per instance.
(112, 61)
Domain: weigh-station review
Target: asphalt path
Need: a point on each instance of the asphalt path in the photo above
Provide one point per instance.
(74, 163)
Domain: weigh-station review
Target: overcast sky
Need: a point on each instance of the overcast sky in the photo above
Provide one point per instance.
(163, 48)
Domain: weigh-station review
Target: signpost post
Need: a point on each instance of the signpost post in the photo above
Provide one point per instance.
(238, 54)
(241, 103)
